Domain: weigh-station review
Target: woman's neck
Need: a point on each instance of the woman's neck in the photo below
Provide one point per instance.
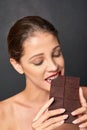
(35, 95)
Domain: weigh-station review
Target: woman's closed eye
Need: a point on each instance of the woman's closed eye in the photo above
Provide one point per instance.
(57, 53)
(37, 62)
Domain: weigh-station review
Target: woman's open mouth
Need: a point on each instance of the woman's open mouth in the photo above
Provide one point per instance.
(54, 76)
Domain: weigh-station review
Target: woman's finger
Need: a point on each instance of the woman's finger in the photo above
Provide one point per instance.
(79, 111)
(55, 126)
(43, 109)
(49, 115)
(47, 123)
(83, 125)
(82, 99)
(52, 126)
(80, 119)
(83, 109)
(54, 120)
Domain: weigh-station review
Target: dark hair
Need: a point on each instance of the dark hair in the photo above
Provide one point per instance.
(24, 28)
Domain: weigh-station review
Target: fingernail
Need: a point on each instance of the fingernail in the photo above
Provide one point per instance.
(62, 110)
(65, 116)
(74, 122)
(73, 113)
(52, 98)
(81, 126)
(61, 122)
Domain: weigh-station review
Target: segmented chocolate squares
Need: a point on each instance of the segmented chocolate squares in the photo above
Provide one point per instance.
(65, 90)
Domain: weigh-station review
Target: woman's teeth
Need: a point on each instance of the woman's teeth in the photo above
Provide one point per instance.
(51, 78)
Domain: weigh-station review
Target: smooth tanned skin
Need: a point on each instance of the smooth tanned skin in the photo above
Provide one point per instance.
(17, 112)
(42, 58)
(84, 88)
(16, 115)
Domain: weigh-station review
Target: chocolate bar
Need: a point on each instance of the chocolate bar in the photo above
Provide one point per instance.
(65, 90)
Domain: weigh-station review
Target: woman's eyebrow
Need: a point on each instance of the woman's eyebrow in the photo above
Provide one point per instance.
(56, 47)
(35, 56)
(40, 54)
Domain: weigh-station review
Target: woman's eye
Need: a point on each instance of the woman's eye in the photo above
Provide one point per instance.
(38, 63)
(56, 53)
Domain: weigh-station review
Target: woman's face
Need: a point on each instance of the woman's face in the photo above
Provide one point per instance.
(42, 60)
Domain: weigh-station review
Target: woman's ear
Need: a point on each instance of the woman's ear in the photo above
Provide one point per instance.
(16, 66)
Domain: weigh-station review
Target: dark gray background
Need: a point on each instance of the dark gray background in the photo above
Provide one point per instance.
(68, 16)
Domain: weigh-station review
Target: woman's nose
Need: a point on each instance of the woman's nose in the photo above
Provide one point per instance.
(52, 66)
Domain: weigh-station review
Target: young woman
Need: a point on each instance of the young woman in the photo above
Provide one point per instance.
(35, 51)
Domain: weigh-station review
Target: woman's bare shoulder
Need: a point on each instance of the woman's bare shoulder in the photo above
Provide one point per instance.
(7, 108)
(6, 113)
(14, 102)
(7, 104)
(11, 111)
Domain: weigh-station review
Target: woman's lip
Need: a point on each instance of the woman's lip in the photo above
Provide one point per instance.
(52, 78)
(58, 73)
(49, 79)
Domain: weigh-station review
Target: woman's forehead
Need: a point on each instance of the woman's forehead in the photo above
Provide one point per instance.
(40, 43)
(40, 39)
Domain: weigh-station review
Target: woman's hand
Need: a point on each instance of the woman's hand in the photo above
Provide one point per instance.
(45, 119)
(81, 112)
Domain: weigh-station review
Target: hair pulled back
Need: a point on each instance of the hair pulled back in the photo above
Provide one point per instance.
(23, 29)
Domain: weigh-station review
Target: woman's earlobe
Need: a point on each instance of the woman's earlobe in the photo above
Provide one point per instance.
(16, 66)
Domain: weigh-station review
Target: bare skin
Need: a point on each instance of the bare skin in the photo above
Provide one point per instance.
(28, 110)
(16, 113)
(84, 92)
